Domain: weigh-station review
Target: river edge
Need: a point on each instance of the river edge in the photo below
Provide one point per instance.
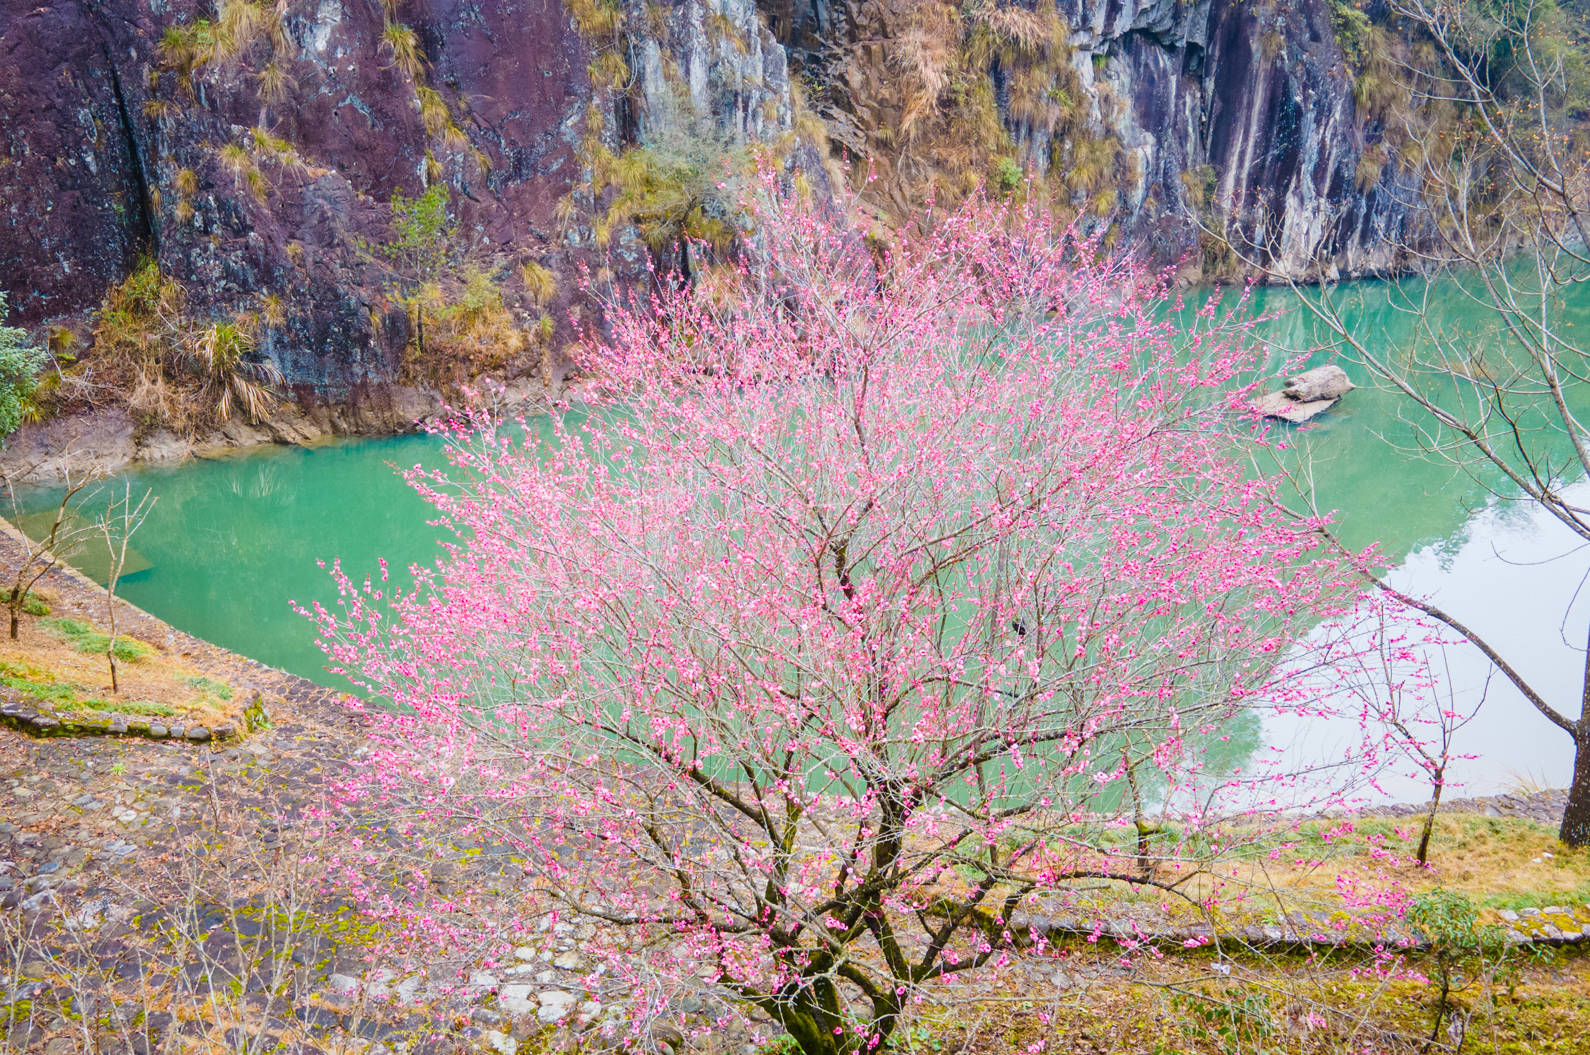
(108, 440)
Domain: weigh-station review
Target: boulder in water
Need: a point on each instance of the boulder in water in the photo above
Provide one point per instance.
(1322, 382)
(1307, 395)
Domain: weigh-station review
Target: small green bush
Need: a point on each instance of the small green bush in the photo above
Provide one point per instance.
(422, 232)
(1005, 175)
(1464, 954)
(20, 363)
(84, 638)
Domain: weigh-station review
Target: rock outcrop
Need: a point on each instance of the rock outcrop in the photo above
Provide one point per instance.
(1227, 114)
(1306, 396)
(252, 148)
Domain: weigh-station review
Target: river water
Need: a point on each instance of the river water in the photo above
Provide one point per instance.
(231, 542)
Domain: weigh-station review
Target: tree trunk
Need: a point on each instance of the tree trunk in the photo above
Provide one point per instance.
(809, 1036)
(13, 624)
(1575, 829)
(814, 1019)
(1429, 820)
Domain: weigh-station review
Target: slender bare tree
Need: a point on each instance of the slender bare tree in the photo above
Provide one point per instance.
(38, 555)
(122, 518)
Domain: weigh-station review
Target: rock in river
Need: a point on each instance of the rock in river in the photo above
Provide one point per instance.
(1307, 395)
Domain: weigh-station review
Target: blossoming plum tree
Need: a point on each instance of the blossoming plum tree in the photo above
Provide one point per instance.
(870, 596)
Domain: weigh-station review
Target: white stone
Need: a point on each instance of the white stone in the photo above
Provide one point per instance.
(516, 999)
(1322, 382)
(555, 1005)
(1280, 405)
(525, 952)
(408, 989)
(569, 961)
(501, 1043)
(327, 15)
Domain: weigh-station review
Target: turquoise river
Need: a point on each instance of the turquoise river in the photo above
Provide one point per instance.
(231, 542)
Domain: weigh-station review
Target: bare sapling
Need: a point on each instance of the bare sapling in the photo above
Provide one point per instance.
(116, 526)
(1408, 706)
(41, 555)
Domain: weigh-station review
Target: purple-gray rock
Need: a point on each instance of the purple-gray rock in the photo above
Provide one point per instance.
(117, 146)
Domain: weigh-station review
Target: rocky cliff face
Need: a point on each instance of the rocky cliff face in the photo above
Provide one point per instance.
(1232, 114)
(251, 148)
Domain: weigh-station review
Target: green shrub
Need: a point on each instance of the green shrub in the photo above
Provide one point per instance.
(1005, 175)
(422, 233)
(20, 363)
(1463, 954)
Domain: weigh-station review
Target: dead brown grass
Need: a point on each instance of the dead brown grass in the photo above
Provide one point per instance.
(1495, 861)
(46, 668)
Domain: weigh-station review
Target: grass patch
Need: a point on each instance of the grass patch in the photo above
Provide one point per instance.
(1573, 897)
(139, 708)
(66, 696)
(89, 641)
(41, 685)
(34, 605)
(209, 687)
(58, 664)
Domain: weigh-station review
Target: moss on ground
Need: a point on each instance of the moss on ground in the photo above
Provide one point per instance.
(91, 642)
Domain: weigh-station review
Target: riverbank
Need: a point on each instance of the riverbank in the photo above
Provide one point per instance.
(112, 439)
